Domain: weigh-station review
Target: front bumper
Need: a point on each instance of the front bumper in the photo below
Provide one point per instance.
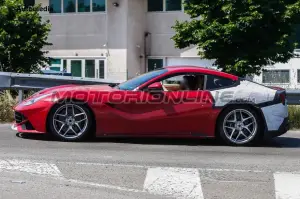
(284, 127)
(22, 124)
(32, 119)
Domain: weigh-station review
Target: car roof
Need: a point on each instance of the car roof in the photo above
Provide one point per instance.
(200, 69)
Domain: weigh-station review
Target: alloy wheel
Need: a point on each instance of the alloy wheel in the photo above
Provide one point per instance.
(70, 121)
(240, 126)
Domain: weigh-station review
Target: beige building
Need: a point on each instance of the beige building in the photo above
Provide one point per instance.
(118, 39)
(115, 39)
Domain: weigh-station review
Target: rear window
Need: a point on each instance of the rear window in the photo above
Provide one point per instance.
(215, 82)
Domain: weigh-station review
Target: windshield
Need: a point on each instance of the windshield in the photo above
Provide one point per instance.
(139, 80)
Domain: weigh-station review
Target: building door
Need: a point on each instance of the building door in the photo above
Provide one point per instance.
(90, 68)
(155, 64)
(76, 68)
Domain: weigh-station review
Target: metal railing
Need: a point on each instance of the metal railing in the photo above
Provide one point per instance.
(293, 97)
(23, 82)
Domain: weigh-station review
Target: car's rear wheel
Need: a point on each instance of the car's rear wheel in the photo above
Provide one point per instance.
(70, 121)
(239, 125)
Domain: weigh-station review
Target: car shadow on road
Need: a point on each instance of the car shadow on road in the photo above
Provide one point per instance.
(283, 142)
(279, 142)
(130, 140)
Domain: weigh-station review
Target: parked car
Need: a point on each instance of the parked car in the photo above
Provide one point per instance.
(174, 101)
(54, 72)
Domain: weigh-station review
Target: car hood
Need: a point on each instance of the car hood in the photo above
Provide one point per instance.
(73, 87)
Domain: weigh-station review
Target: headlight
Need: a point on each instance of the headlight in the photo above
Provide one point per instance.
(35, 99)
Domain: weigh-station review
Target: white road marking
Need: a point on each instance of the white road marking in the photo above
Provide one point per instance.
(113, 165)
(174, 182)
(28, 166)
(104, 186)
(287, 185)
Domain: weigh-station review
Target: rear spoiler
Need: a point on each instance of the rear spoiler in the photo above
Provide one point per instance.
(280, 96)
(276, 88)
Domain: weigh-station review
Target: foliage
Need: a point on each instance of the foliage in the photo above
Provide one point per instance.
(23, 34)
(294, 117)
(7, 102)
(241, 35)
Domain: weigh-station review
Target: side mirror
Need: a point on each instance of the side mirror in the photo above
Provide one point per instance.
(157, 86)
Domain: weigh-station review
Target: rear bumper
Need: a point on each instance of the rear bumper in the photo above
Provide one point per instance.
(284, 127)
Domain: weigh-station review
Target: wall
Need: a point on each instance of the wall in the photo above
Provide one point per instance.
(159, 24)
(102, 34)
(293, 65)
(135, 37)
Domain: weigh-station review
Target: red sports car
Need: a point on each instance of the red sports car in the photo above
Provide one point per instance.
(175, 101)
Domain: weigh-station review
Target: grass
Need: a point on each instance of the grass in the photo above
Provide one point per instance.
(9, 99)
(7, 102)
(294, 116)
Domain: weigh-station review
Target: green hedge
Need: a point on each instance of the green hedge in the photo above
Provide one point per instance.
(7, 102)
(294, 116)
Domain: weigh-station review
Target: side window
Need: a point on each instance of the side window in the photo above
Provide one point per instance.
(184, 82)
(215, 82)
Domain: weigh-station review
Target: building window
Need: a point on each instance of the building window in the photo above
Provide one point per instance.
(28, 3)
(55, 68)
(55, 61)
(164, 5)
(276, 76)
(101, 69)
(65, 65)
(155, 5)
(70, 6)
(173, 5)
(55, 64)
(298, 75)
(98, 5)
(84, 5)
(55, 6)
(154, 64)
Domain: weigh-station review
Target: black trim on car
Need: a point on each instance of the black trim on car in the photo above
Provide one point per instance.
(284, 127)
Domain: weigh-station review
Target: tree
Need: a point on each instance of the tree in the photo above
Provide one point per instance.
(241, 36)
(23, 34)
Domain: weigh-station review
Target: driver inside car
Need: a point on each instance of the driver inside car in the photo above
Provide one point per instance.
(192, 82)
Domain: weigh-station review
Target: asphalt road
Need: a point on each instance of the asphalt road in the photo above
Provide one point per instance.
(35, 167)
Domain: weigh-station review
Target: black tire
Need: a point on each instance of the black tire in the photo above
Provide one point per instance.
(52, 126)
(256, 137)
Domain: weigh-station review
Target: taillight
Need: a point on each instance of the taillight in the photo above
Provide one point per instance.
(282, 98)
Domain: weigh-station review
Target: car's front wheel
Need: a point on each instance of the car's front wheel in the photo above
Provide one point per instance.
(70, 121)
(239, 125)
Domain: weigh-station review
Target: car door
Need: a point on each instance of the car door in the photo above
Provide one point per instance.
(171, 112)
(134, 113)
(188, 112)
